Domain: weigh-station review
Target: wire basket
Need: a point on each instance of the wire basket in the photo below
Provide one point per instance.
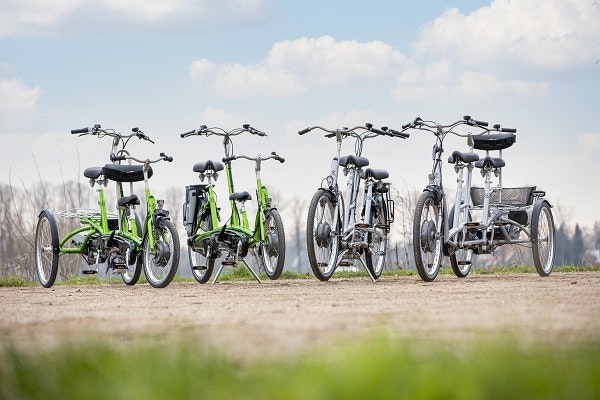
(94, 215)
(517, 197)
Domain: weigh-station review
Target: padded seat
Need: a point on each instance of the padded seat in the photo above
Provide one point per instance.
(358, 162)
(495, 141)
(240, 196)
(132, 200)
(92, 172)
(490, 162)
(125, 173)
(377, 174)
(462, 157)
(202, 167)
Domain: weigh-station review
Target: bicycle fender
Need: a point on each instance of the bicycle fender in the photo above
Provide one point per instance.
(159, 216)
(437, 191)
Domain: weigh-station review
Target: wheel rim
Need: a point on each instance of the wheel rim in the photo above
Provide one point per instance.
(270, 249)
(430, 243)
(545, 239)
(197, 259)
(323, 236)
(158, 263)
(44, 251)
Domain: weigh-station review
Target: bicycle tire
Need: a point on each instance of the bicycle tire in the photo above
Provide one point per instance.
(136, 262)
(377, 248)
(460, 259)
(542, 237)
(428, 236)
(46, 248)
(160, 267)
(272, 251)
(322, 244)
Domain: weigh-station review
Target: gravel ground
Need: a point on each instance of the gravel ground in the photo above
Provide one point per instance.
(287, 316)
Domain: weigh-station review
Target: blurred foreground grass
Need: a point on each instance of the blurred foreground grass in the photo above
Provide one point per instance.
(375, 366)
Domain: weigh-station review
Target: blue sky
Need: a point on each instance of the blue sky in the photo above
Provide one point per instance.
(169, 66)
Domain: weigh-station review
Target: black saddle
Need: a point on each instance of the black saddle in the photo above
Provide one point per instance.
(459, 156)
(377, 174)
(125, 173)
(202, 167)
(495, 141)
(93, 172)
(240, 196)
(358, 162)
(488, 162)
(129, 201)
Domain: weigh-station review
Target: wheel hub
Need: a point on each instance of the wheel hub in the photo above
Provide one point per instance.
(428, 236)
(323, 234)
(272, 244)
(163, 254)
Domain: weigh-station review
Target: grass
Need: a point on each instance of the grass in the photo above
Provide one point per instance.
(374, 367)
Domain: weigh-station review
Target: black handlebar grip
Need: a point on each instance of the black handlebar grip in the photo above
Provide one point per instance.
(188, 133)
(227, 159)
(378, 131)
(508, 130)
(303, 131)
(403, 135)
(82, 130)
(117, 158)
(406, 125)
(280, 159)
(480, 123)
(166, 157)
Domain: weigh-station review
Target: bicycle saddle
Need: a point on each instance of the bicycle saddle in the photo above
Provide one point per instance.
(92, 172)
(129, 200)
(490, 162)
(463, 157)
(201, 167)
(125, 173)
(358, 162)
(377, 174)
(496, 141)
(240, 196)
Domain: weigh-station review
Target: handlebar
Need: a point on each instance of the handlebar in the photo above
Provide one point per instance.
(203, 130)
(127, 156)
(442, 130)
(273, 156)
(98, 131)
(357, 131)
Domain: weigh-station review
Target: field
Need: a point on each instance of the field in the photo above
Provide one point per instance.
(509, 317)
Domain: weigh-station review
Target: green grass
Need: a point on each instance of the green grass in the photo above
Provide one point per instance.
(371, 367)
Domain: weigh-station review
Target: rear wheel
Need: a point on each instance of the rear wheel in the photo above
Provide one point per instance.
(202, 266)
(46, 248)
(136, 262)
(375, 254)
(272, 251)
(542, 237)
(160, 265)
(428, 236)
(322, 243)
(460, 259)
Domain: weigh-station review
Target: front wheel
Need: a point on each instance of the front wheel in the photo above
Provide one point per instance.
(201, 264)
(428, 236)
(378, 241)
(160, 265)
(542, 237)
(272, 250)
(46, 248)
(322, 241)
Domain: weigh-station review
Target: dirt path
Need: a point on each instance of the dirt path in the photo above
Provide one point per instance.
(290, 315)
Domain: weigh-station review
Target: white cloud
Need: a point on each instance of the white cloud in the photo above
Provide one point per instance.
(41, 17)
(16, 97)
(293, 67)
(589, 142)
(551, 34)
(445, 82)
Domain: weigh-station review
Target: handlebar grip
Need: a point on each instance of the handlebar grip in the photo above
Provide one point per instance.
(480, 123)
(166, 157)
(330, 135)
(188, 133)
(303, 131)
(402, 135)
(508, 130)
(406, 125)
(81, 130)
(227, 159)
(117, 158)
(378, 131)
(280, 159)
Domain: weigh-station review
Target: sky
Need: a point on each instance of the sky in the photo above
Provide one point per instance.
(171, 66)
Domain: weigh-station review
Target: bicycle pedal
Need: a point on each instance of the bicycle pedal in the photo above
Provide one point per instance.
(89, 272)
(345, 263)
(119, 269)
(199, 267)
(229, 262)
(472, 224)
(464, 262)
(362, 225)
